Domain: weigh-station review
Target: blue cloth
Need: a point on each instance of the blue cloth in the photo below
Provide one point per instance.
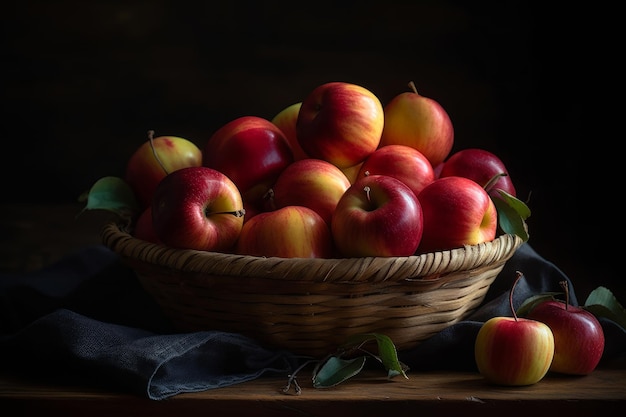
(88, 319)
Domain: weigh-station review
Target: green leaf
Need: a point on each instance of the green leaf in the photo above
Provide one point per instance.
(518, 205)
(387, 352)
(336, 370)
(111, 194)
(602, 303)
(532, 301)
(512, 214)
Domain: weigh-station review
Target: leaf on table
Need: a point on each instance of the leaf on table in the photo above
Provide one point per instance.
(603, 303)
(112, 194)
(387, 353)
(336, 370)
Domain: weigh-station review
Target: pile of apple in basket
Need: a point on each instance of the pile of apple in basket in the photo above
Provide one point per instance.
(335, 175)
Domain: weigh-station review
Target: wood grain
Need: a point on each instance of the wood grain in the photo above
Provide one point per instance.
(446, 393)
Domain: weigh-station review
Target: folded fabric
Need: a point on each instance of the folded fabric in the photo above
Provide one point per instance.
(139, 361)
(87, 317)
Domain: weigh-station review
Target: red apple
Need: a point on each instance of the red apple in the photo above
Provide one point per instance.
(288, 232)
(312, 183)
(144, 229)
(402, 162)
(340, 123)
(420, 122)
(252, 152)
(513, 351)
(481, 166)
(377, 216)
(578, 336)
(144, 171)
(286, 121)
(197, 208)
(457, 212)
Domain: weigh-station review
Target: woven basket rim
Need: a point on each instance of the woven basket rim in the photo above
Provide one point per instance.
(375, 269)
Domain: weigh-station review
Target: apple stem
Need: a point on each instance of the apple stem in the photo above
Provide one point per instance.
(236, 213)
(412, 87)
(367, 190)
(154, 152)
(517, 278)
(566, 289)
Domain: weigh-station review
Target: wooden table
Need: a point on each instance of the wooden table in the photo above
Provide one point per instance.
(33, 237)
(370, 394)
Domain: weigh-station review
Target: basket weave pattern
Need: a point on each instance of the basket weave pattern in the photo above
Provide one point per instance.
(310, 306)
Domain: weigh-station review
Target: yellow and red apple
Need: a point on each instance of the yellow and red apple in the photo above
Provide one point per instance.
(286, 120)
(457, 212)
(153, 160)
(402, 162)
(341, 123)
(312, 183)
(287, 232)
(420, 122)
(514, 351)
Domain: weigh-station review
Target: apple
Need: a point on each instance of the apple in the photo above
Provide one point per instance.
(287, 232)
(197, 208)
(252, 152)
(313, 183)
(144, 229)
(154, 159)
(402, 162)
(457, 212)
(377, 216)
(578, 335)
(341, 123)
(352, 172)
(513, 351)
(286, 121)
(481, 166)
(420, 122)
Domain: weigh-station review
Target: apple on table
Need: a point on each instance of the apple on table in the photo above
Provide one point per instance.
(578, 335)
(514, 351)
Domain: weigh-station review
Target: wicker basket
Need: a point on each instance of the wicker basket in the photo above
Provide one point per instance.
(310, 306)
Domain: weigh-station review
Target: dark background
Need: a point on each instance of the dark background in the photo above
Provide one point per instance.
(82, 83)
